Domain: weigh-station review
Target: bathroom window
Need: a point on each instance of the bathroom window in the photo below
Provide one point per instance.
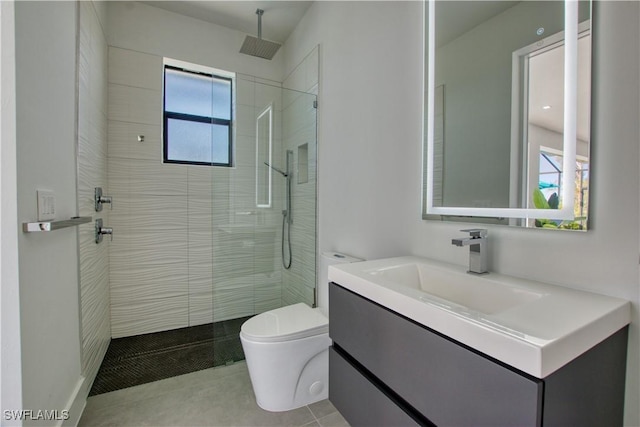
(197, 125)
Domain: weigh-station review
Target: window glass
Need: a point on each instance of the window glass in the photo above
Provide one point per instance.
(197, 118)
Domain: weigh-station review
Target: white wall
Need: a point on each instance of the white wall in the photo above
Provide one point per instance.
(137, 26)
(368, 121)
(46, 142)
(10, 354)
(370, 151)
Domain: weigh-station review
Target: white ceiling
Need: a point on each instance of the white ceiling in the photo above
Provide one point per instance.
(458, 17)
(279, 19)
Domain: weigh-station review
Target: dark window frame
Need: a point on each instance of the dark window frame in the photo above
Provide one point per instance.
(167, 115)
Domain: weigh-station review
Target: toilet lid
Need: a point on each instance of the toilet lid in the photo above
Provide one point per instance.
(284, 324)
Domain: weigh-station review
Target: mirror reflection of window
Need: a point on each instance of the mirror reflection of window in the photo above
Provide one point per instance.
(543, 73)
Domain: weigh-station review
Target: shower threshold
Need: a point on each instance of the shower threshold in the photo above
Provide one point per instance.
(141, 359)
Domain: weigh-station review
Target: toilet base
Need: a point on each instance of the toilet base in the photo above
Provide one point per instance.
(290, 374)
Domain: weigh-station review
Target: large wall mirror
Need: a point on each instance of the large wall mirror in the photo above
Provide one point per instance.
(507, 112)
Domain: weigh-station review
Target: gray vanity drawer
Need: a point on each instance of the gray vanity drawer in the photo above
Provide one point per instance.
(358, 400)
(444, 381)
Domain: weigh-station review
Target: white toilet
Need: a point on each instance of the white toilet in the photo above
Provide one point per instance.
(286, 350)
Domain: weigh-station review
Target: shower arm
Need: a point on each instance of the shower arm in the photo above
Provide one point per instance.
(260, 12)
(285, 174)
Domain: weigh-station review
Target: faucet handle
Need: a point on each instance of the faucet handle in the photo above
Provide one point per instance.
(476, 233)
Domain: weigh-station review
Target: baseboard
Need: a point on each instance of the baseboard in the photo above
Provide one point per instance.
(76, 403)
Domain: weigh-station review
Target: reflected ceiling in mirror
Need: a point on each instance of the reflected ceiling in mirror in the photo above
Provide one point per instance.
(508, 112)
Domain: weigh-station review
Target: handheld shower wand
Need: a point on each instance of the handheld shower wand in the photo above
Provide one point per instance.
(286, 213)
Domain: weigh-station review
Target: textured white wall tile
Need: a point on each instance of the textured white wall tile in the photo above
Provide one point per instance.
(199, 208)
(118, 177)
(156, 247)
(195, 231)
(142, 317)
(246, 120)
(124, 143)
(158, 179)
(130, 68)
(169, 213)
(139, 282)
(233, 303)
(267, 95)
(199, 180)
(136, 105)
(312, 67)
(296, 80)
(200, 278)
(92, 172)
(200, 308)
(267, 292)
(245, 92)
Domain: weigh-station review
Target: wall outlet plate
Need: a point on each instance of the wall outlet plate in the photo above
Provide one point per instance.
(46, 205)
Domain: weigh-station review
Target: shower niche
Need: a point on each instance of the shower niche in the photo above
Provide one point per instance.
(303, 163)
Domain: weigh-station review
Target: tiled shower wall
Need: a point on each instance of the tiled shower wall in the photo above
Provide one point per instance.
(189, 246)
(92, 172)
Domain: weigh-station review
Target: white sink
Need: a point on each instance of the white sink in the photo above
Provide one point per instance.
(478, 293)
(532, 326)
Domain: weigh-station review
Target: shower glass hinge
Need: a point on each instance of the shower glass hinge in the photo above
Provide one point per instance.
(315, 104)
(315, 297)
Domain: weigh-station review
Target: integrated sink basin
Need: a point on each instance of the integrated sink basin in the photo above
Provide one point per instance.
(532, 326)
(478, 293)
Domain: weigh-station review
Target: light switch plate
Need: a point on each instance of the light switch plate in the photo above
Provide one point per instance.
(46, 205)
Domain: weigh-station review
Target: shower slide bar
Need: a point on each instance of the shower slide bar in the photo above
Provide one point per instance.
(31, 227)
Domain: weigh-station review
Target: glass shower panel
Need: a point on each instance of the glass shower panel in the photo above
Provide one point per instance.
(299, 137)
(248, 276)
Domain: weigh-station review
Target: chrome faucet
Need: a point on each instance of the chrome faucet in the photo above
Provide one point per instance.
(477, 242)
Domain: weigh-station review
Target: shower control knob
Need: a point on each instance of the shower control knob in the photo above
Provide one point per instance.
(99, 199)
(107, 230)
(101, 231)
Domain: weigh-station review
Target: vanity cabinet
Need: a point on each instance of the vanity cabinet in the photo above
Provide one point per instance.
(385, 369)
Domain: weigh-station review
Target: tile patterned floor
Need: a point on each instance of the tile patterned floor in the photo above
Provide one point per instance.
(219, 396)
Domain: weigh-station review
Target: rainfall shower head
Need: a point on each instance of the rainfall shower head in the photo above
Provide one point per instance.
(258, 46)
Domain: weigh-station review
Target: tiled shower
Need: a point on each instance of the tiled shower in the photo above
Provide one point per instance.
(190, 244)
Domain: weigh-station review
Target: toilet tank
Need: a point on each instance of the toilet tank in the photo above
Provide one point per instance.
(326, 259)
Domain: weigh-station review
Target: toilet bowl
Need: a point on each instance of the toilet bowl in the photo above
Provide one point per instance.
(286, 350)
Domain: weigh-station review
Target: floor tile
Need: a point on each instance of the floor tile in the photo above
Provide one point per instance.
(219, 396)
(322, 408)
(333, 420)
